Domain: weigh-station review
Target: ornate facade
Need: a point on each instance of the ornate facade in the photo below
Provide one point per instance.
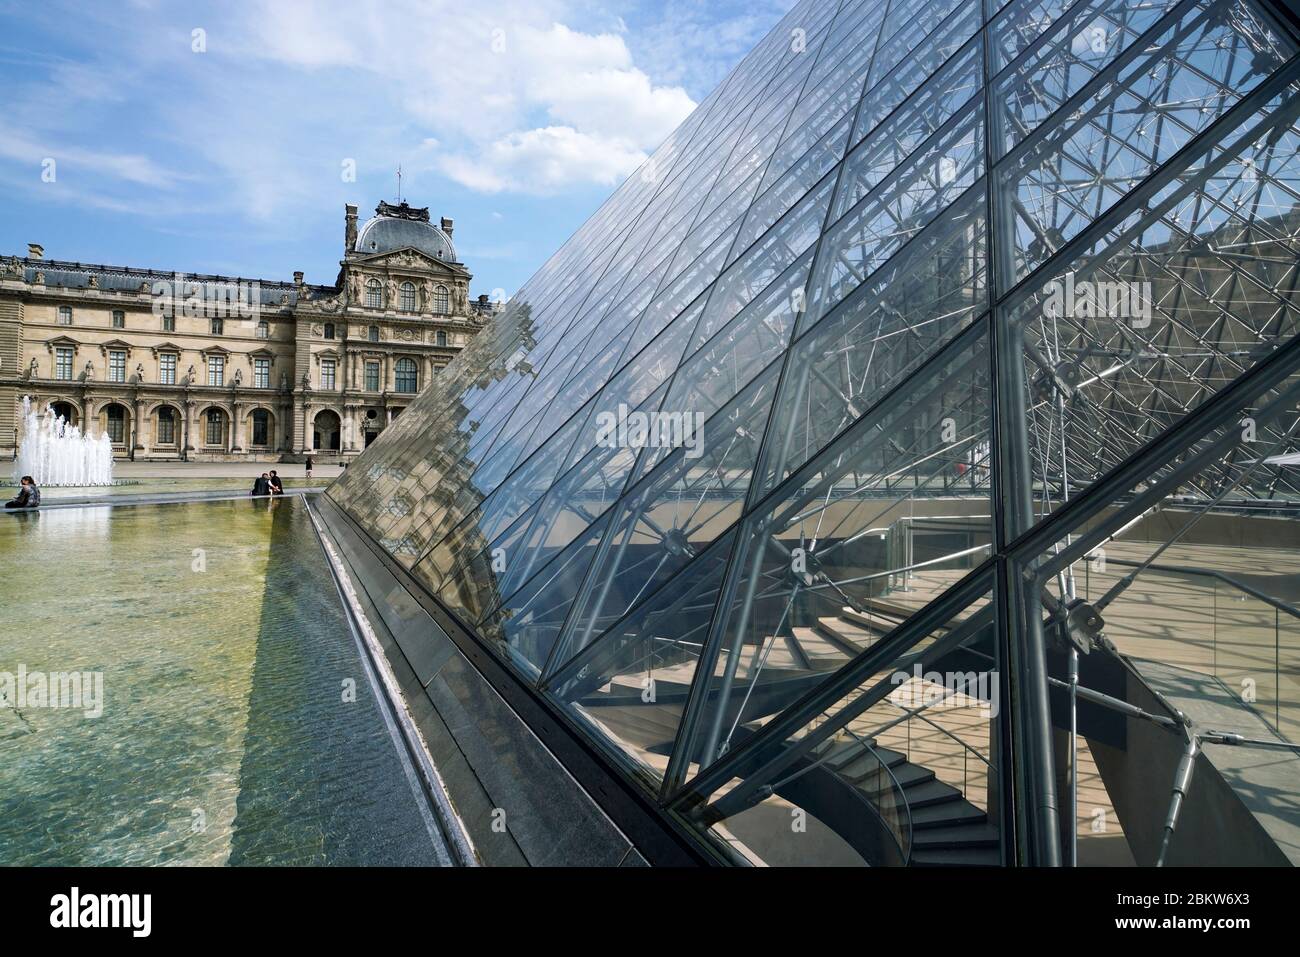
(183, 367)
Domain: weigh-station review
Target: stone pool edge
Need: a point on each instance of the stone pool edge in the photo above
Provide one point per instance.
(450, 824)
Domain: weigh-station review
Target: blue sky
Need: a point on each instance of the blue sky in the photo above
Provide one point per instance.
(219, 137)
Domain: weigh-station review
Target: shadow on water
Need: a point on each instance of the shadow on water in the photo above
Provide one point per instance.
(320, 780)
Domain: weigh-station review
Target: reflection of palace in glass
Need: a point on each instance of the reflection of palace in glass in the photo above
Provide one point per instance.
(989, 311)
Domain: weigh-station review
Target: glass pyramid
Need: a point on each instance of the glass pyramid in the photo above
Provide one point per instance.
(817, 409)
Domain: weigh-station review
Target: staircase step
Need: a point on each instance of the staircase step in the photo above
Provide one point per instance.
(956, 857)
(928, 793)
(860, 761)
(820, 652)
(956, 835)
(906, 775)
(879, 624)
(853, 639)
(946, 815)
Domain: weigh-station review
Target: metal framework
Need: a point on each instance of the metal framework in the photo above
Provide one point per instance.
(927, 303)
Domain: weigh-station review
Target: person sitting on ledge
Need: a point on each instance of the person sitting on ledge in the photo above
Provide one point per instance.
(277, 487)
(262, 485)
(29, 496)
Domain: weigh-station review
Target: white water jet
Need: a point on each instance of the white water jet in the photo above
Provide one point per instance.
(54, 452)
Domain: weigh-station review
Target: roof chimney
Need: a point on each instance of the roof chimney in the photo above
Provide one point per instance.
(35, 251)
(297, 278)
(350, 229)
(447, 226)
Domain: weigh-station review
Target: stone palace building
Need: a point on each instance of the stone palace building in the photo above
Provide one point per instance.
(182, 367)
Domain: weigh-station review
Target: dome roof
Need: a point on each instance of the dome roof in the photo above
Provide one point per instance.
(397, 227)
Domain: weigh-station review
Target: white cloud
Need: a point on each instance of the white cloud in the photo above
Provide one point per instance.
(543, 161)
(502, 85)
(69, 159)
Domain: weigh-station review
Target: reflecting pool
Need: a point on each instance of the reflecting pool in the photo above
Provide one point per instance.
(238, 724)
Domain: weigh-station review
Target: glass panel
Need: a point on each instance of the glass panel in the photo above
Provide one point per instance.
(1163, 309)
(524, 629)
(895, 512)
(887, 327)
(1163, 95)
(1079, 47)
(901, 769)
(1177, 593)
(630, 689)
(667, 520)
(898, 209)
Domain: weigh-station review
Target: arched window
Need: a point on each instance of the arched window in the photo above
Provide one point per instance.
(261, 427)
(329, 330)
(408, 380)
(373, 333)
(442, 338)
(216, 427)
(441, 300)
(166, 422)
(408, 297)
(374, 295)
(116, 416)
(263, 330)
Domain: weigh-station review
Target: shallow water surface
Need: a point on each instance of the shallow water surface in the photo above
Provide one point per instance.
(238, 724)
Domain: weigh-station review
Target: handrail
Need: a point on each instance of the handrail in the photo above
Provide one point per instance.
(907, 714)
(904, 853)
(1227, 579)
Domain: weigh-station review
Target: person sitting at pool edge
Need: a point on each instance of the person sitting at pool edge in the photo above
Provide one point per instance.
(262, 485)
(277, 487)
(29, 496)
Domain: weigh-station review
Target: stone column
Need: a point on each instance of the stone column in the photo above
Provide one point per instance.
(284, 427)
(297, 442)
(237, 428)
(349, 437)
(88, 418)
(189, 426)
(137, 414)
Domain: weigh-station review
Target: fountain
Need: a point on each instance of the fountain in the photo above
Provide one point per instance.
(54, 452)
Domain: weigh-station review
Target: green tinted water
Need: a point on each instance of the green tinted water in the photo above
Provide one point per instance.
(238, 725)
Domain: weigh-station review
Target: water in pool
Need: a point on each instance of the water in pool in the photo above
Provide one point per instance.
(238, 725)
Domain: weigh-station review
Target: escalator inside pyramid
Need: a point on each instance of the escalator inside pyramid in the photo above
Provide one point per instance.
(900, 468)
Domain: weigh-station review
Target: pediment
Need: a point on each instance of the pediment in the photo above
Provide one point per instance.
(410, 258)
